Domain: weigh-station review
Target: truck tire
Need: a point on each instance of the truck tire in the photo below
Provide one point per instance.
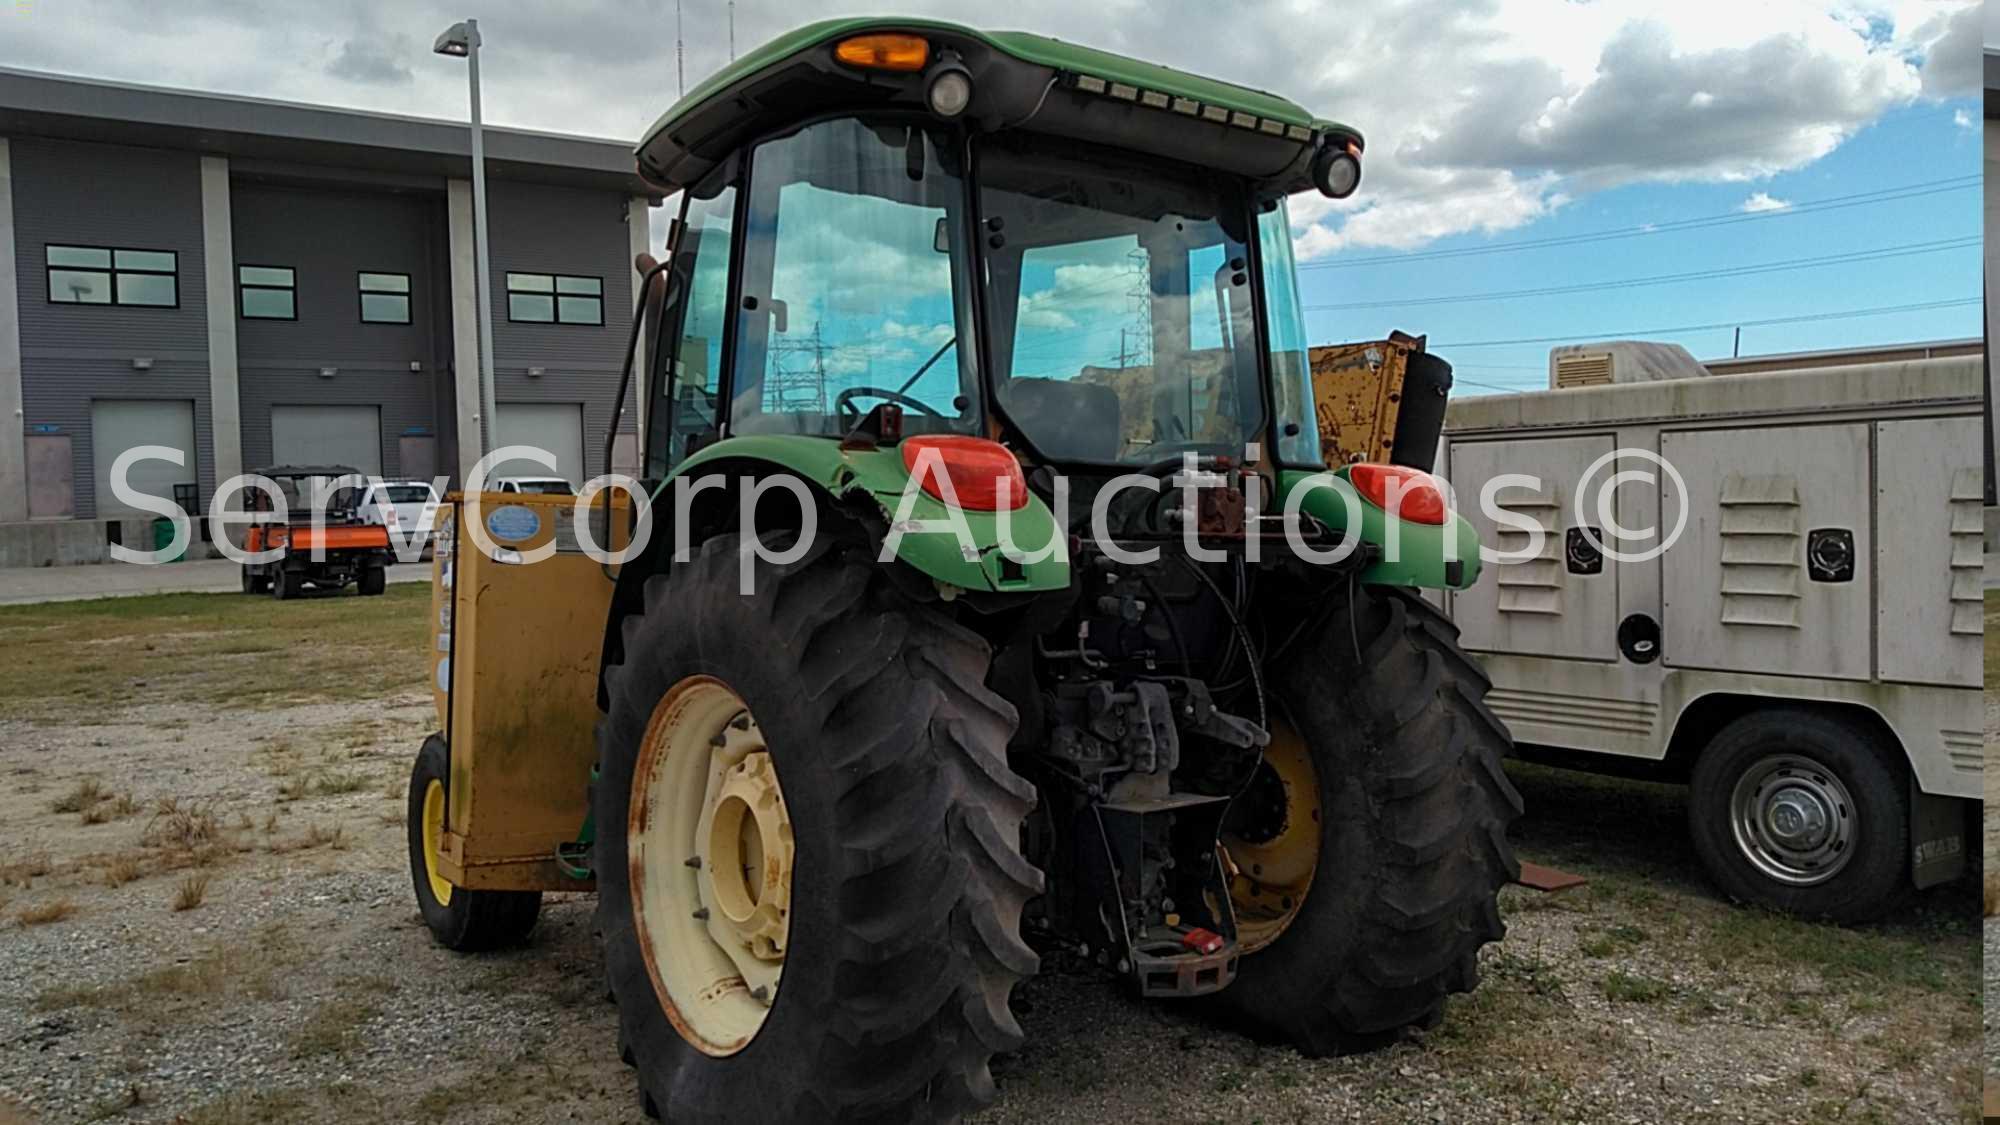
(372, 581)
(460, 919)
(255, 583)
(287, 584)
(1804, 812)
(901, 941)
(1412, 809)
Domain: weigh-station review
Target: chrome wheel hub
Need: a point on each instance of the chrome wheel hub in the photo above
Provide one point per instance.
(1793, 819)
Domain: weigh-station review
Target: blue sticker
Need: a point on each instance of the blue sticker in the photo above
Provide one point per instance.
(513, 523)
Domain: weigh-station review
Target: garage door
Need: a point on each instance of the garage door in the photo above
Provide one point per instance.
(554, 426)
(117, 425)
(328, 435)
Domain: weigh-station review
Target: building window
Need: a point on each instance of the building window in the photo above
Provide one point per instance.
(385, 298)
(267, 293)
(100, 275)
(545, 298)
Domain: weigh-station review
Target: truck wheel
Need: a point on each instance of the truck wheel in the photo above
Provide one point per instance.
(1803, 812)
(809, 880)
(372, 581)
(1367, 855)
(460, 919)
(287, 584)
(254, 583)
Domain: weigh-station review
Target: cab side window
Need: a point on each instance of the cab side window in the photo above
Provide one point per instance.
(684, 404)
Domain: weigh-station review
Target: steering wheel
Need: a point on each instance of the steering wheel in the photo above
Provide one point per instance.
(843, 402)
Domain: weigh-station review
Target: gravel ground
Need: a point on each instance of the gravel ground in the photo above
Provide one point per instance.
(303, 987)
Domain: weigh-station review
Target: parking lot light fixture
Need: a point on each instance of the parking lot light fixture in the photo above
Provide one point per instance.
(461, 40)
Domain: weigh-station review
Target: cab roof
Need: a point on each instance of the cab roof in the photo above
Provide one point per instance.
(1020, 80)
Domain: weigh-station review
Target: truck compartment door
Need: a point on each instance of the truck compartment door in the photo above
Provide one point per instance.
(1549, 604)
(1775, 566)
(1930, 522)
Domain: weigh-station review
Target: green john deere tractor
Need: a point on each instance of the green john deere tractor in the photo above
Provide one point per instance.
(867, 753)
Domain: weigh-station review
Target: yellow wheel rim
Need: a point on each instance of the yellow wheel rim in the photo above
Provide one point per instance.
(1271, 863)
(433, 835)
(709, 855)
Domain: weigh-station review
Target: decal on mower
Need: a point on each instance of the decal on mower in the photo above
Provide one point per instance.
(513, 523)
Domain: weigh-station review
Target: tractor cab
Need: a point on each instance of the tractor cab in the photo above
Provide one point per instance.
(1083, 257)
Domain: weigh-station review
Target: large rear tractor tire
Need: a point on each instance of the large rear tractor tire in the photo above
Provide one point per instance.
(809, 879)
(372, 581)
(1369, 853)
(460, 919)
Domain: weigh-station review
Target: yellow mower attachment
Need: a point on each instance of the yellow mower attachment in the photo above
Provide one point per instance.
(518, 708)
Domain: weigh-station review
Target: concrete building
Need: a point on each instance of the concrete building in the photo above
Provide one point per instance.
(255, 282)
(1992, 249)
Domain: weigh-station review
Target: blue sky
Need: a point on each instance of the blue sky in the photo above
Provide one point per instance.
(1916, 145)
(1488, 121)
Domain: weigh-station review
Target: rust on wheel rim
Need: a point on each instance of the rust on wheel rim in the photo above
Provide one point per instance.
(709, 853)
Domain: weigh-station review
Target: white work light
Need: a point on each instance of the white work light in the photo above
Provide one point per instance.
(948, 89)
(1337, 171)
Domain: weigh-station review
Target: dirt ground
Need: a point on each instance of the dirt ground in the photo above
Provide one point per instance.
(206, 916)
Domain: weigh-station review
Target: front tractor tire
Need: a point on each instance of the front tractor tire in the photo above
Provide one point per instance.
(459, 918)
(1394, 771)
(809, 880)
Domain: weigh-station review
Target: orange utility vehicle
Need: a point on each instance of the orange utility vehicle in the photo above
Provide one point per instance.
(327, 552)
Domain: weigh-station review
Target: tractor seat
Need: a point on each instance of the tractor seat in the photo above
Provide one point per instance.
(1067, 420)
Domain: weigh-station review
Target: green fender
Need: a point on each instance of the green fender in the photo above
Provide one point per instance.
(1029, 536)
(1422, 550)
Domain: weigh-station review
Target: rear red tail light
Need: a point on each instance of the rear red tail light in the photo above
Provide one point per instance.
(975, 467)
(1400, 490)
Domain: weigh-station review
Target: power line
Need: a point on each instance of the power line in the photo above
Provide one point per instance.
(1831, 203)
(1902, 251)
(1623, 333)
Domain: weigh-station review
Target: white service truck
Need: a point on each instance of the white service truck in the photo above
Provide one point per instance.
(1806, 655)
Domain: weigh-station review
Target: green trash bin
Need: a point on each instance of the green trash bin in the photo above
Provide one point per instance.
(163, 536)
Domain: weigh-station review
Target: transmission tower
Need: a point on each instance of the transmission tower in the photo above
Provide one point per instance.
(796, 382)
(1139, 302)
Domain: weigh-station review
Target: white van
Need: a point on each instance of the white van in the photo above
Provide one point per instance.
(1806, 656)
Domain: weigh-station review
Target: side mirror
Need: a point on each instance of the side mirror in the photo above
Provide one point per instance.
(941, 240)
(779, 316)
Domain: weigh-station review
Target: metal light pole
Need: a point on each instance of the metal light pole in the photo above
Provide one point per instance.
(461, 40)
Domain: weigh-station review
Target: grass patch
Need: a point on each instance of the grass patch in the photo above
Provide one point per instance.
(315, 836)
(54, 910)
(85, 793)
(333, 1028)
(121, 869)
(1846, 959)
(1634, 988)
(337, 784)
(191, 891)
(260, 1108)
(1604, 943)
(24, 871)
(67, 658)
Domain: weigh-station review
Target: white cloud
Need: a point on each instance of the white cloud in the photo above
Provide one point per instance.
(1764, 201)
(1964, 120)
(1482, 115)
